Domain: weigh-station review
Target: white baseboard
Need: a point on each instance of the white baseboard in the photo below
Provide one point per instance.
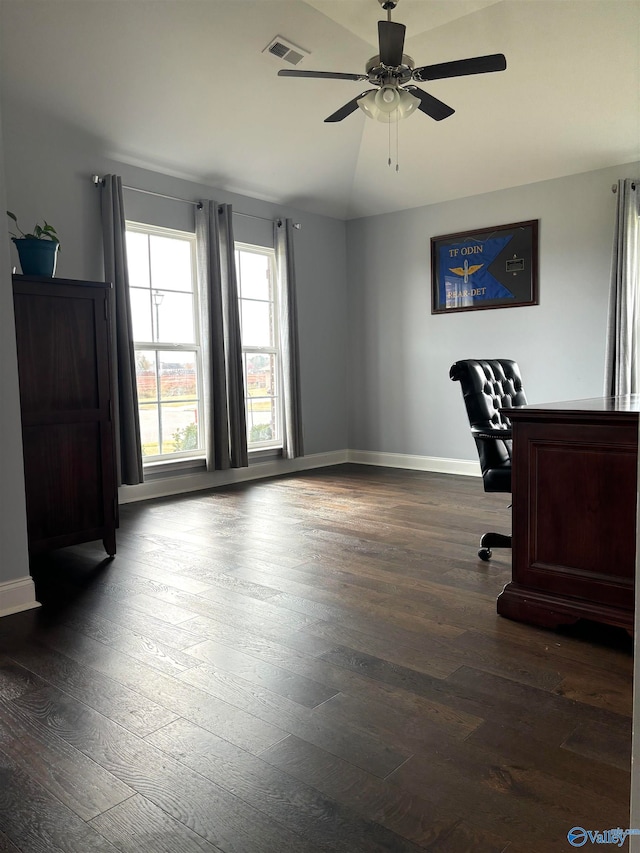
(212, 479)
(17, 595)
(435, 464)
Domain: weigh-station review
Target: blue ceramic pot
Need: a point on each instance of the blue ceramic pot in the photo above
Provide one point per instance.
(37, 257)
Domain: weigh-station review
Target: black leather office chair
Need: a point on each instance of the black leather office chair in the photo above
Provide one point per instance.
(487, 386)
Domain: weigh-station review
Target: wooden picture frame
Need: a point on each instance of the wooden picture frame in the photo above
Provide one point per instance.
(485, 268)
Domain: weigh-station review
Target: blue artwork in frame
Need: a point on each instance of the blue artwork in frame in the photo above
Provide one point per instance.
(486, 268)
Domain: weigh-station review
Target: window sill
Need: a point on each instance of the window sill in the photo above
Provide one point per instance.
(265, 454)
(173, 468)
(176, 467)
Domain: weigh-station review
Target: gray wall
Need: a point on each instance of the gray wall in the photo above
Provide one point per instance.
(401, 399)
(13, 526)
(395, 395)
(48, 169)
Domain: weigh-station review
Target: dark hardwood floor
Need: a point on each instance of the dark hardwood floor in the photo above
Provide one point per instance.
(310, 663)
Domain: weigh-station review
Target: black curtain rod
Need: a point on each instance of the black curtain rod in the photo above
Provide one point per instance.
(98, 181)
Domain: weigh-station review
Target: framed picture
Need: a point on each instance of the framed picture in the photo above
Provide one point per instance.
(487, 268)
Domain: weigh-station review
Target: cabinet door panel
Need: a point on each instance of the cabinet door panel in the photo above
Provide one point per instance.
(57, 353)
(63, 474)
(577, 524)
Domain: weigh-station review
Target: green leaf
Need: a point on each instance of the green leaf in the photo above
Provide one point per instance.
(46, 232)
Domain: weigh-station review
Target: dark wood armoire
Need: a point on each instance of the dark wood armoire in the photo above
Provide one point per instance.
(64, 365)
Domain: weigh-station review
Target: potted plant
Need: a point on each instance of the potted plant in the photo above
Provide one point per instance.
(38, 251)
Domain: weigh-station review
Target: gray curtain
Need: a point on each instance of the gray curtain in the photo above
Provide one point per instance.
(127, 424)
(225, 419)
(292, 433)
(622, 370)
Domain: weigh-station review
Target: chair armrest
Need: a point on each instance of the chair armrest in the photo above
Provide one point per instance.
(491, 434)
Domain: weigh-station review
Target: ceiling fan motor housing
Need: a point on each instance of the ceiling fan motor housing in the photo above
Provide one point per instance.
(380, 74)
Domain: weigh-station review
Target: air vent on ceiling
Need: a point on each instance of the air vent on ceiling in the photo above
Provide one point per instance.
(284, 49)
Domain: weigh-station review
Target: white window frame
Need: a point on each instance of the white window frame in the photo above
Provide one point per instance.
(160, 346)
(275, 350)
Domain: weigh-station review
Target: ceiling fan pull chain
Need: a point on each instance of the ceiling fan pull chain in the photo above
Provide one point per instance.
(389, 160)
(397, 146)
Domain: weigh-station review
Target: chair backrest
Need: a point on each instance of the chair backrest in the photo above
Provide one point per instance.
(487, 386)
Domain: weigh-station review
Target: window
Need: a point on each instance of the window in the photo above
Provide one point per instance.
(164, 309)
(257, 292)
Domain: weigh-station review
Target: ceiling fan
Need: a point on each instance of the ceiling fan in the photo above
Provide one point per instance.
(392, 73)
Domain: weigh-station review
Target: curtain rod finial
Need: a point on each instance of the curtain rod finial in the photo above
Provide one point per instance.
(97, 180)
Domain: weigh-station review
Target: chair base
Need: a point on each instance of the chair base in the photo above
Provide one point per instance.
(493, 540)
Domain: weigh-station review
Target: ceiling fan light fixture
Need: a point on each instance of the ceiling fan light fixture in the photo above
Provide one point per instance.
(388, 104)
(387, 99)
(367, 104)
(408, 103)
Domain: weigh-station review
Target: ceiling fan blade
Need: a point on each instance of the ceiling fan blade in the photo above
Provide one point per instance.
(327, 75)
(347, 109)
(391, 41)
(461, 67)
(430, 105)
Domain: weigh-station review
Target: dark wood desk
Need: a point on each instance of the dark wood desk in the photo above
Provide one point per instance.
(574, 473)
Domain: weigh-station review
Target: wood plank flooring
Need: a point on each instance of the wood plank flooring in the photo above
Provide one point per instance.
(309, 663)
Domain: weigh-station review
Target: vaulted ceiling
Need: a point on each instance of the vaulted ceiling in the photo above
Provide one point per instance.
(184, 87)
